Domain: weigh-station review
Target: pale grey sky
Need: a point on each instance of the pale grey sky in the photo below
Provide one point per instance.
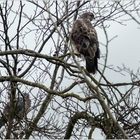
(124, 49)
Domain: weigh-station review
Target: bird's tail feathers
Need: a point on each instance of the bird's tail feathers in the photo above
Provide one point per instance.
(91, 64)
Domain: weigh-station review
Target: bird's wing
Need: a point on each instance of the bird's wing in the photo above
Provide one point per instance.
(94, 43)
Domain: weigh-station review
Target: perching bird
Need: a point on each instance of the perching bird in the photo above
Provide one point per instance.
(22, 106)
(84, 38)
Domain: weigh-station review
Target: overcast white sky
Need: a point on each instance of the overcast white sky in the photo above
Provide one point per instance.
(124, 49)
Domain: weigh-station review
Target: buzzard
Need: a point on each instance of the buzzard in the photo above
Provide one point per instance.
(84, 38)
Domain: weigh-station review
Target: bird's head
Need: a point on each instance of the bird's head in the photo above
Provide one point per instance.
(87, 15)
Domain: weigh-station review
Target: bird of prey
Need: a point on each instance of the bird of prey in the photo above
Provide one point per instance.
(22, 106)
(84, 38)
